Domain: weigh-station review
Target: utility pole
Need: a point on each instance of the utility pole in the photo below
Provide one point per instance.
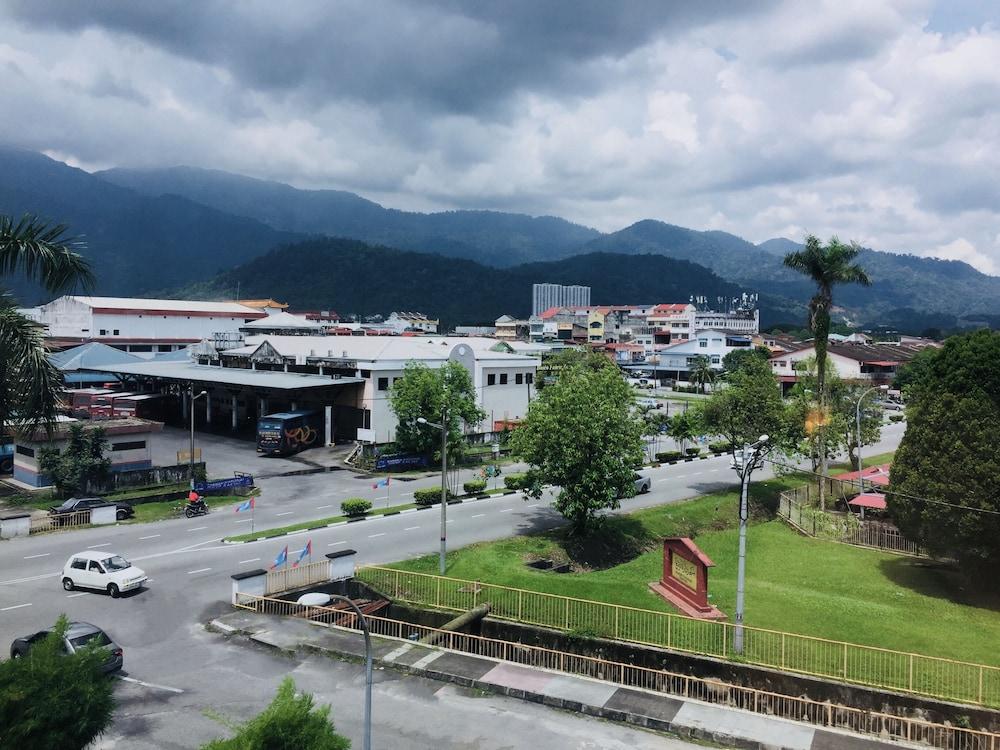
(857, 418)
(750, 458)
(191, 443)
(444, 482)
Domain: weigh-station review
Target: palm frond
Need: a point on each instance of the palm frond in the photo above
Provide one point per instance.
(31, 387)
(43, 252)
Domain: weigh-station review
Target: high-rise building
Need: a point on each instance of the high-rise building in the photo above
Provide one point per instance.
(544, 296)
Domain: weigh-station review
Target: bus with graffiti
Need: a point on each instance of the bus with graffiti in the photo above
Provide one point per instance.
(289, 432)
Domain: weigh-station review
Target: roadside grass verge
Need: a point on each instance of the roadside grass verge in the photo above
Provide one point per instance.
(316, 523)
(147, 512)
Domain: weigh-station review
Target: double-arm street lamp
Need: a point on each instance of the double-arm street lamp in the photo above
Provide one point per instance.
(444, 486)
(857, 422)
(751, 457)
(191, 446)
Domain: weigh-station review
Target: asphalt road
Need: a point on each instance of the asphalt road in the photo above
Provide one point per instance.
(160, 627)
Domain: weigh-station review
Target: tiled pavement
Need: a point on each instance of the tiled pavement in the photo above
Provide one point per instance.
(722, 725)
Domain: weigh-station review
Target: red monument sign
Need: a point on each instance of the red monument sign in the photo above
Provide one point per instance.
(685, 578)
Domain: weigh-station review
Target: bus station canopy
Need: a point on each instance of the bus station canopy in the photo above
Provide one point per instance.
(189, 372)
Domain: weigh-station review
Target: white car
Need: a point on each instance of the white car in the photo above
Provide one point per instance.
(104, 571)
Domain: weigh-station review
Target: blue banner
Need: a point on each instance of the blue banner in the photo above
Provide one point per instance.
(244, 480)
(399, 461)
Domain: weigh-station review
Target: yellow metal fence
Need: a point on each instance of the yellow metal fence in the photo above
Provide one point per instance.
(795, 708)
(865, 665)
(290, 577)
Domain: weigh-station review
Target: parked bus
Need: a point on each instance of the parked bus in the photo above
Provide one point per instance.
(141, 405)
(102, 406)
(82, 400)
(289, 432)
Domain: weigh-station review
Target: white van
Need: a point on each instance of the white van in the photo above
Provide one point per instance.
(104, 571)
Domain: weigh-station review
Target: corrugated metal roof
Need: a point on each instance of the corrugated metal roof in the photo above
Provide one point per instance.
(90, 356)
(180, 305)
(189, 372)
(376, 348)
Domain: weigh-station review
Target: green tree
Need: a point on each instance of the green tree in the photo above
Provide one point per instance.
(30, 386)
(290, 722)
(81, 462)
(826, 265)
(914, 371)
(945, 478)
(553, 364)
(738, 357)
(684, 426)
(749, 407)
(444, 395)
(701, 373)
(582, 435)
(51, 700)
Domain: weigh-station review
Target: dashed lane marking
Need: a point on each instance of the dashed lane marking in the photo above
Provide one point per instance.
(252, 559)
(151, 536)
(372, 536)
(323, 507)
(245, 520)
(73, 596)
(507, 510)
(286, 513)
(411, 528)
(32, 557)
(16, 606)
(334, 544)
(200, 570)
(478, 515)
(152, 685)
(102, 544)
(198, 528)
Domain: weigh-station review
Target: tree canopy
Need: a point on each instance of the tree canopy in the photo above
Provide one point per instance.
(949, 455)
(441, 395)
(80, 462)
(582, 435)
(737, 358)
(290, 722)
(51, 700)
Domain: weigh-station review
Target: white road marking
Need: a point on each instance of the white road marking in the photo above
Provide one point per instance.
(30, 578)
(507, 510)
(151, 536)
(286, 513)
(152, 685)
(198, 528)
(334, 544)
(323, 507)
(252, 559)
(73, 596)
(95, 546)
(16, 606)
(372, 536)
(200, 570)
(411, 528)
(32, 557)
(478, 515)
(424, 661)
(245, 520)
(531, 505)
(451, 520)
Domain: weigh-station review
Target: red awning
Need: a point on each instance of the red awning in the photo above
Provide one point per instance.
(872, 475)
(869, 500)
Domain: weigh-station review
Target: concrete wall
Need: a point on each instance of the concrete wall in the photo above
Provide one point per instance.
(15, 525)
(103, 515)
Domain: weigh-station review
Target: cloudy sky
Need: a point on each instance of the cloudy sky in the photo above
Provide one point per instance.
(877, 121)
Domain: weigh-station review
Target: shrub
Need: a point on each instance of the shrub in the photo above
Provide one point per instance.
(355, 506)
(692, 451)
(515, 481)
(474, 486)
(429, 496)
(720, 447)
(896, 417)
(665, 456)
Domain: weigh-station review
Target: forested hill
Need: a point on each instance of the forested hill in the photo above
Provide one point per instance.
(355, 278)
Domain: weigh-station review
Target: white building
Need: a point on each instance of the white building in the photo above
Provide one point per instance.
(402, 321)
(674, 361)
(504, 382)
(141, 326)
(545, 296)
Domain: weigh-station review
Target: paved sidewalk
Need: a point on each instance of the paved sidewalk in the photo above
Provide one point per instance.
(688, 718)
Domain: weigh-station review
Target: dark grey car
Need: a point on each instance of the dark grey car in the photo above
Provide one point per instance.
(78, 635)
(123, 510)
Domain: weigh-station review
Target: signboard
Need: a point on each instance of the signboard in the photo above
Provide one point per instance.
(184, 457)
(685, 572)
(243, 480)
(685, 579)
(400, 461)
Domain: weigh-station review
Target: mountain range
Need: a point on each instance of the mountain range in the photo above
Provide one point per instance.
(151, 230)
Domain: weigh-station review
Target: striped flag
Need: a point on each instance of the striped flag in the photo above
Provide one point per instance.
(282, 558)
(248, 505)
(381, 483)
(306, 551)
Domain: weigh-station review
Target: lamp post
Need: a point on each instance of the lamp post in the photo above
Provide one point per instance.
(750, 457)
(444, 485)
(191, 445)
(857, 422)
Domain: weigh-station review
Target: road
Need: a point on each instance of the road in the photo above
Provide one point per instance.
(189, 568)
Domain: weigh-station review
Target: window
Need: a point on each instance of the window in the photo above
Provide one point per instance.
(25, 451)
(366, 373)
(519, 378)
(104, 332)
(78, 564)
(383, 384)
(529, 378)
(491, 379)
(115, 332)
(366, 419)
(164, 348)
(503, 378)
(94, 567)
(133, 445)
(140, 347)
(703, 343)
(715, 359)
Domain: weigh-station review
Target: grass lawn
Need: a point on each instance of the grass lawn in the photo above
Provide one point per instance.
(145, 512)
(279, 530)
(794, 583)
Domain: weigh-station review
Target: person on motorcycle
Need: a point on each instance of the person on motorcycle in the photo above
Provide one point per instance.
(195, 505)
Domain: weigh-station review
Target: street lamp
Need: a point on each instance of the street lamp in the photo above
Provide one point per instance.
(191, 446)
(857, 418)
(444, 486)
(750, 457)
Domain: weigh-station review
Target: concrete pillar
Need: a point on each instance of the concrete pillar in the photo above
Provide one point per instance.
(329, 425)
(341, 564)
(263, 407)
(295, 405)
(235, 414)
(185, 398)
(253, 582)
(286, 367)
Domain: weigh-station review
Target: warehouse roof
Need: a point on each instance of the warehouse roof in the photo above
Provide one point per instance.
(130, 304)
(379, 348)
(191, 373)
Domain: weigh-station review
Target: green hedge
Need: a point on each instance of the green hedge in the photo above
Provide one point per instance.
(896, 417)
(430, 496)
(723, 447)
(692, 451)
(665, 456)
(474, 486)
(355, 506)
(515, 481)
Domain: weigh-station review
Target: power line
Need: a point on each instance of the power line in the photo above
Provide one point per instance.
(890, 491)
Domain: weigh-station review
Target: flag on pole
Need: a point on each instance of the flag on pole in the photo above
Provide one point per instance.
(381, 483)
(306, 551)
(282, 558)
(248, 505)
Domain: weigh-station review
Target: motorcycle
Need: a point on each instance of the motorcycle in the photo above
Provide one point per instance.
(196, 508)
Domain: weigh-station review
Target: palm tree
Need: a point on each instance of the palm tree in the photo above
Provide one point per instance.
(30, 386)
(826, 266)
(700, 372)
